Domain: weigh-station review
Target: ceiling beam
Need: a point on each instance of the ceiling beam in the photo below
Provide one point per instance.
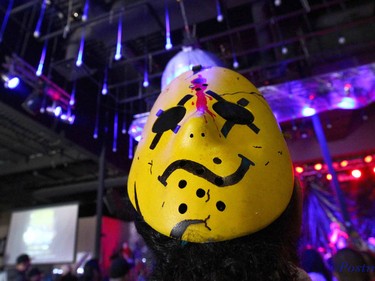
(78, 188)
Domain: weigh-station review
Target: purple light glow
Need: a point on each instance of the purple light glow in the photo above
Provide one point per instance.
(95, 134)
(219, 16)
(115, 130)
(105, 85)
(39, 71)
(72, 99)
(136, 127)
(119, 36)
(168, 42)
(130, 149)
(235, 61)
(68, 117)
(81, 48)
(145, 79)
(5, 20)
(10, 82)
(123, 129)
(40, 20)
(308, 111)
(54, 110)
(85, 11)
(96, 129)
(105, 88)
(347, 103)
(346, 89)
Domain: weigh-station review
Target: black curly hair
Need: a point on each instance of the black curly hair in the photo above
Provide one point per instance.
(270, 254)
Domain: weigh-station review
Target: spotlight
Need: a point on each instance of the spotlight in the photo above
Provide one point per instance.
(67, 117)
(54, 110)
(77, 15)
(299, 169)
(10, 82)
(318, 166)
(344, 163)
(308, 111)
(347, 103)
(341, 40)
(368, 159)
(356, 173)
(136, 127)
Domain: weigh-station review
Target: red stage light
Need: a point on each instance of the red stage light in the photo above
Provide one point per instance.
(299, 170)
(329, 177)
(318, 166)
(344, 163)
(367, 159)
(356, 173)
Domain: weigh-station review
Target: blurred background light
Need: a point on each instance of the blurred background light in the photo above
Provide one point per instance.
(10, 82)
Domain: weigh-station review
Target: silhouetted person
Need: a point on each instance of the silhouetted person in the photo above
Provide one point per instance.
(313, 263)
(23, 263)
(349, 265)
(67, 274)
(34, 274)
(119, 269)
(91, 271)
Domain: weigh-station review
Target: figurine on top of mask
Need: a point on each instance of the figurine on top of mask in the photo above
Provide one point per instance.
(212, 183)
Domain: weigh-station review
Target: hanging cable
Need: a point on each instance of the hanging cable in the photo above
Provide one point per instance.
(186, 24)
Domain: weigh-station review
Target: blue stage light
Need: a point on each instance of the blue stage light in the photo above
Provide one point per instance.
(10, 82)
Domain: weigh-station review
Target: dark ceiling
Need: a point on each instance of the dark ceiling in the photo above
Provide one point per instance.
(46, 161)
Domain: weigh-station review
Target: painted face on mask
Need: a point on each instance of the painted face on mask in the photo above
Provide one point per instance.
(212, 164)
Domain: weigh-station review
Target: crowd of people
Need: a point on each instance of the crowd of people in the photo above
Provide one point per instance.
(347, 264)
(24, 270)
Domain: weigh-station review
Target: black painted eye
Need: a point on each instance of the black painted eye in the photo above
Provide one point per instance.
(233, 112)
(169, 119)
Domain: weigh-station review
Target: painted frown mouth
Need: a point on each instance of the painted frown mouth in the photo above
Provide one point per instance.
(201, 171)
(180, 228)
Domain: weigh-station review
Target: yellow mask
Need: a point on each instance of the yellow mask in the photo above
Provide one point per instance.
(212, 164)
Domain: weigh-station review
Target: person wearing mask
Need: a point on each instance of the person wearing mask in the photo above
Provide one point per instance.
(212, 183)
